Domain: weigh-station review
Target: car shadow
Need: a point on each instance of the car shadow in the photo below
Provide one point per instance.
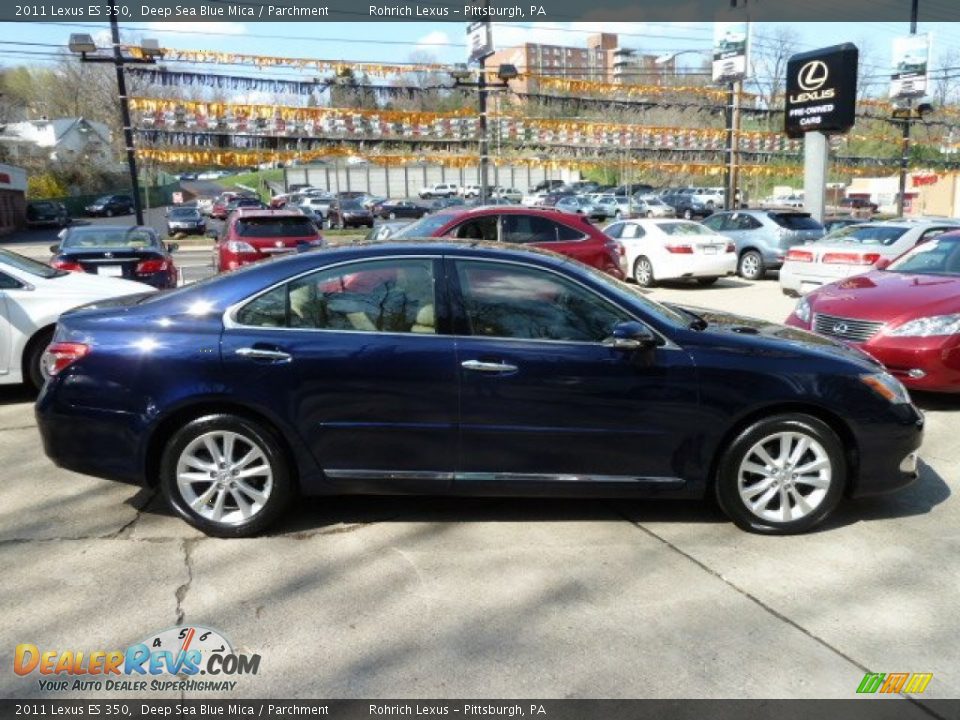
(721, 284)
(936, 402)
(13, 394)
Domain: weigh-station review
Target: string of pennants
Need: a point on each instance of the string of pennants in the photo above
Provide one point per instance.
(191, 116)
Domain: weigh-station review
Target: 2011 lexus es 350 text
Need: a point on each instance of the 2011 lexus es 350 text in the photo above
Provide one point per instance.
(471, 369)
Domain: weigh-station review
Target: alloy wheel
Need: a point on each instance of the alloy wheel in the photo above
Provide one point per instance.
(784, 477)
(224, 476)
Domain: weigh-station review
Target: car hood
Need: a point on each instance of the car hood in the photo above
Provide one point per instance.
(778, 340)
(884, 296)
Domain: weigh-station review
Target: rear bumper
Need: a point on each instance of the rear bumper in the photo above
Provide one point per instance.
(694, 266)
(801, 278)
(93, 442)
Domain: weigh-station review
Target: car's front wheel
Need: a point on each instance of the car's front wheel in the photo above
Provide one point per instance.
(688, 214)
(392, 216)
(782, 475)
(226, 475)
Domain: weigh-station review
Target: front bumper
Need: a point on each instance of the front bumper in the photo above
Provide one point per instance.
(888, 453)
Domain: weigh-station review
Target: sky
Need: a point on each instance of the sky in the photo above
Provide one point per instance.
(445, 41)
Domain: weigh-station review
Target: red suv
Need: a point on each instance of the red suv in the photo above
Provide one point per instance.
(252, 235)
(564, 233)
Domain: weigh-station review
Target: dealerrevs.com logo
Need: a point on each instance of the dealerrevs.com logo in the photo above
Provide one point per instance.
(168, 660)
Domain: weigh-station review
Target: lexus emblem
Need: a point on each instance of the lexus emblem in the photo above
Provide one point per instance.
(813, 75)
(840, 329)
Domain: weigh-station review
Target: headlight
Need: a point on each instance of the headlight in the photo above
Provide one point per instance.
(887, 386)
(928, 326)
(802, 310)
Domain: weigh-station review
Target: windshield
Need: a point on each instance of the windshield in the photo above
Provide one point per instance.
(866, 235)
(426, 226)
(275, 227)
(43, 205)
(25, 264)
(352, 207)
(684, 228)
(184, 213)
(94, 237)
(104, 199)
(940, 256)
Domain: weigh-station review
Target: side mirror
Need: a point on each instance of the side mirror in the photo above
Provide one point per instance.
(882, 264)
(631, 335)
(54, 249)
(213, 234)
(173, 247)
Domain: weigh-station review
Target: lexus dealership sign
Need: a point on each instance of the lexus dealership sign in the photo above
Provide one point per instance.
(822, 90)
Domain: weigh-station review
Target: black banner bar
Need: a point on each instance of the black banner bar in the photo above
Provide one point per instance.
(465, 11)
(874, 708)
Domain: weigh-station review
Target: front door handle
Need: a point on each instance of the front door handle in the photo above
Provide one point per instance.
(488, 367)
(255, 353)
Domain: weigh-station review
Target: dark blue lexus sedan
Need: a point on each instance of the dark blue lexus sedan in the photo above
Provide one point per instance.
(438, 367)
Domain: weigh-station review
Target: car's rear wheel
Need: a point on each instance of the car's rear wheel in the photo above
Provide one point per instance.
(108, 212)
(706, 281)
(688, 214)
(35, 375)
(751, 266)
(782, 475)
(643, 272)
(226, 475)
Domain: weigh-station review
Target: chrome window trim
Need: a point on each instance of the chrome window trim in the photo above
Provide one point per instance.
(230, 322)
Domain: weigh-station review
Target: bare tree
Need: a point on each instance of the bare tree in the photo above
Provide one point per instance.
(768, 62)
(944, 78)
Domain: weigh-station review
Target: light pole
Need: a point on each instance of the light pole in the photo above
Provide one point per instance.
(83, 44)
(505, 73)
(905, 143)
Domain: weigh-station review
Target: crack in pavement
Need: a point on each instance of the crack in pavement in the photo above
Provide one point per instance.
(181, 592)
(136, 517)
(769, 609)
(19, 427)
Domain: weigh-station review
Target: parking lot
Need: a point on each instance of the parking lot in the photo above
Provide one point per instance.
(437, 597)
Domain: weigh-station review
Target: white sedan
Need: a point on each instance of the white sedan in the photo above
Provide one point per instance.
(32, 297)
(673, 250)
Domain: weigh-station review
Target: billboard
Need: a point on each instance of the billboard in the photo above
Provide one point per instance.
(911, 66)
(822, 90)
(730, 48)
(479, 41)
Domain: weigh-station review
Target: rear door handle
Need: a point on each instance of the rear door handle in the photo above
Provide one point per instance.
(488, 367)
(255, 353)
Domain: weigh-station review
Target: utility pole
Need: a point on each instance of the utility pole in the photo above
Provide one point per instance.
(905, 143)
(732, 113)
(125, 117)
(484, 140)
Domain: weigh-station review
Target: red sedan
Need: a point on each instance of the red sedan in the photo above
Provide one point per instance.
(563, 233)
(906, 314)
(252, 235)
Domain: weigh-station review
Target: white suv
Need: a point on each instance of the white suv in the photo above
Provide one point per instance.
(438, 190)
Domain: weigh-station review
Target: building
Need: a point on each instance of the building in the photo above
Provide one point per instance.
(922, 196)
(63, 140)
(602, 60)
(13, 202)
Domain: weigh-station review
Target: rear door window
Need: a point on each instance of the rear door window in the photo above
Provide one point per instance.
(525, 229)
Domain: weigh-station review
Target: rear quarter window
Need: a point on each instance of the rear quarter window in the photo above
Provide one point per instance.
(795, 221)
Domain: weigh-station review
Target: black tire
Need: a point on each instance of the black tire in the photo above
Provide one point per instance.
(728, 471)
(32, 359)
(392, 216)
(643, 272)
(253, 433)
(750, 266)
(706, 281)
(108, 212)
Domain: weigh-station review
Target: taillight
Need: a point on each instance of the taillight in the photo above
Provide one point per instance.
(61, 355)
(238, 246)
(838, 258)
(800, 256)
(68, 265)
(731, 247)
(145, 267)
(680, 249)
(617, 249)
